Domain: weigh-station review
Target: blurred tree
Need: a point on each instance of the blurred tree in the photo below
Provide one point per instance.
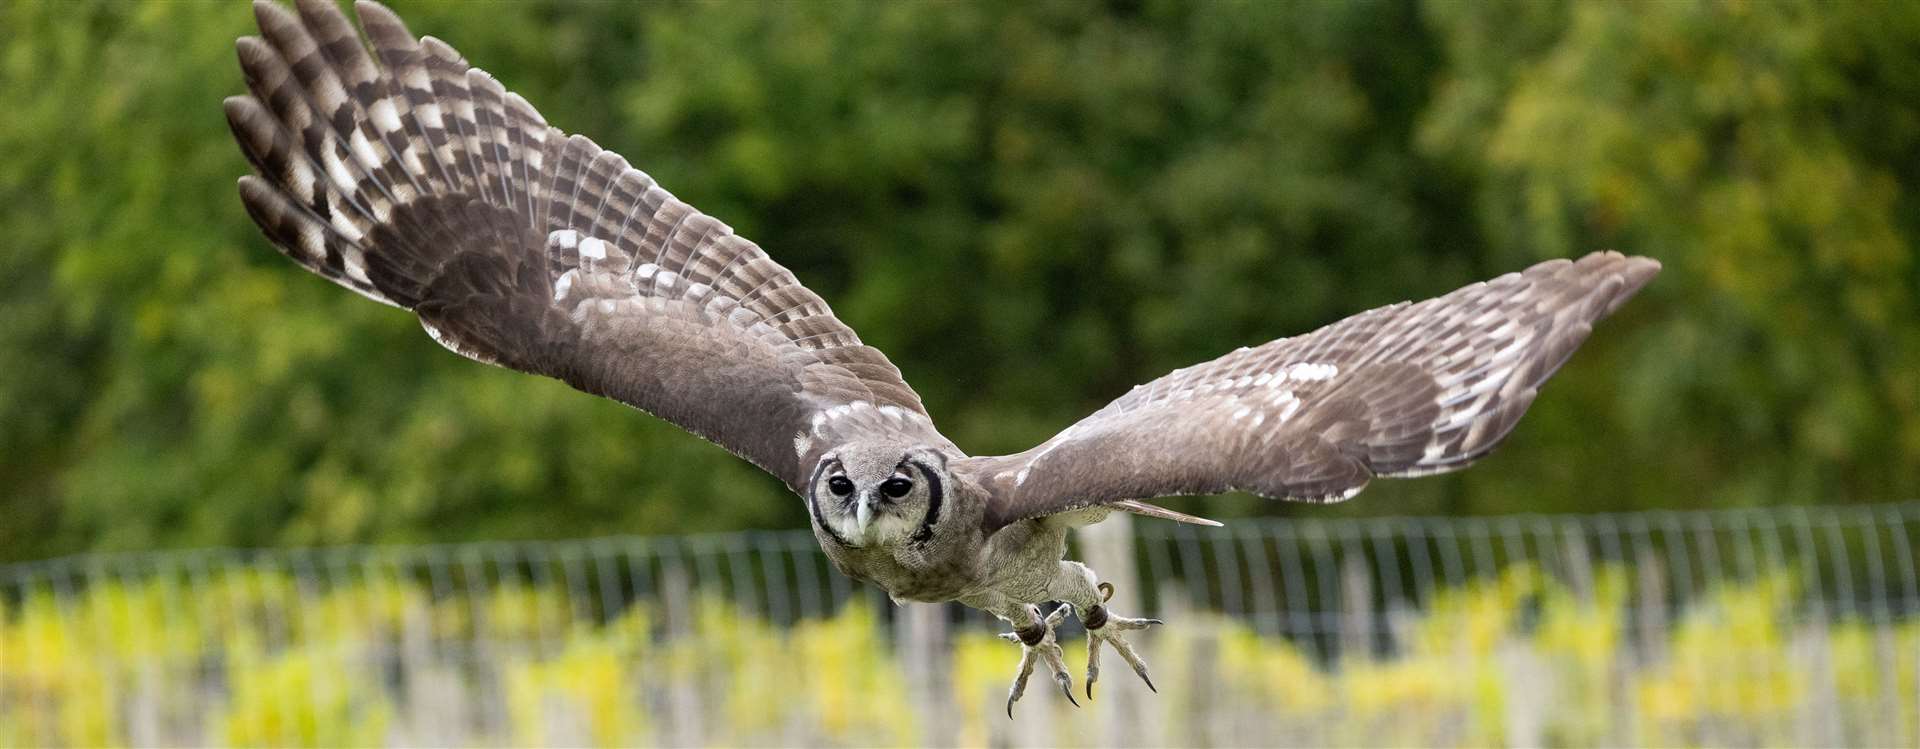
(1761, 150)
(1030, 207)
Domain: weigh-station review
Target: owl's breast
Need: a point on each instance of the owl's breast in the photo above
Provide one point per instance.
(910, 572)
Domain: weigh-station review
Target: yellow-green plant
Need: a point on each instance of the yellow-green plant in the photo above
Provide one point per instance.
(251, 657)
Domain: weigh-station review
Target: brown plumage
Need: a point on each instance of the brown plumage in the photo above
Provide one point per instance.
(405, 174)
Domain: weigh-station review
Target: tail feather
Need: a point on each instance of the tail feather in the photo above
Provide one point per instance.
(1138, 507)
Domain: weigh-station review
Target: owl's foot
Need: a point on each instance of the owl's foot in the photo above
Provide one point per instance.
(1037, 643)
(1104, 628)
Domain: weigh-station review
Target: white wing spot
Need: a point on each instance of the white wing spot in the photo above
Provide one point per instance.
(594, 248)
(343, 180)
(363, 150)
(1311, 372)
(384, 116)
(311, 243)
(566, 238)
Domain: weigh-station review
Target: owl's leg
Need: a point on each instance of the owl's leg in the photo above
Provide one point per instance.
(1074, 583)
(1105, 628)
(1037, 644)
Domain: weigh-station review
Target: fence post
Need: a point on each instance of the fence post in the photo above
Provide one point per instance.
(683, 689)
(1650, 619)
(1356, 598)
(1107, 547)
(921, 641)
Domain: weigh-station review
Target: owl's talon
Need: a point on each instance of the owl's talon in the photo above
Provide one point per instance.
(1037, 644)
(1108, 633)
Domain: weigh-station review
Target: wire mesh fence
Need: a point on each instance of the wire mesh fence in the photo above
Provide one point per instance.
(1794, 627)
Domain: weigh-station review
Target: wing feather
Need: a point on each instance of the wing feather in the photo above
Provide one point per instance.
(417, 180)
(1403, 390)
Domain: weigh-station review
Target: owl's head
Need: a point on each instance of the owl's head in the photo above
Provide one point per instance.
(868, 496)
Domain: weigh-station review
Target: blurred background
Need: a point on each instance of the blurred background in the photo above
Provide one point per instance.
(1030, 207)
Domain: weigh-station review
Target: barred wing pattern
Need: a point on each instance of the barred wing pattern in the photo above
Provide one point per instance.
(1403, 390)
(417, 180)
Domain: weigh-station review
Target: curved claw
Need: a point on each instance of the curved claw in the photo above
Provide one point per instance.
(1093, 663)
(1109, 633)
(1048, 650)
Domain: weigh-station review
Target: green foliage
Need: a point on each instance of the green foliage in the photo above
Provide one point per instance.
(1030, 206)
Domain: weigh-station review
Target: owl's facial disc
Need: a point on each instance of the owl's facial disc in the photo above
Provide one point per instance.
(870, 500)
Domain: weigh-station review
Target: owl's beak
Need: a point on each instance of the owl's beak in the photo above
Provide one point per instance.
(864, 514)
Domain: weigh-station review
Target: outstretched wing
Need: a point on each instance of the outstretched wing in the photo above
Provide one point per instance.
(405, 174)
(1403, 390)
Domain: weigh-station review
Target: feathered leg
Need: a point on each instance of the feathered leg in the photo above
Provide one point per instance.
(1034, 633)
(1074, 583)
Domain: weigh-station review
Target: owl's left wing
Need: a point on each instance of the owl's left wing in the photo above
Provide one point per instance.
(406, 174)
(1403, 390)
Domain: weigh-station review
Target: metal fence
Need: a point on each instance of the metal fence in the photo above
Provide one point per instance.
(1793, 627)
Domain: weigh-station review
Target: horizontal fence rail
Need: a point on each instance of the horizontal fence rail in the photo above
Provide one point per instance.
(1780, 627)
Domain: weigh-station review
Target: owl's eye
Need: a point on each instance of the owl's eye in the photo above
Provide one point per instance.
(896, 487)
(840, 486)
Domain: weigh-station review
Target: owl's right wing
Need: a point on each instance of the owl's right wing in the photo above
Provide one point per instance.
(1403, 390)
(417, 180)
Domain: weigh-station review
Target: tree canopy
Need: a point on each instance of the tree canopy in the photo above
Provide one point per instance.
(1029, 206)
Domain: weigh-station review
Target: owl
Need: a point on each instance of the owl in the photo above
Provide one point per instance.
(394, 168)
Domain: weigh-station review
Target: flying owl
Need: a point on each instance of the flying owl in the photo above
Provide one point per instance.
(396, 169)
